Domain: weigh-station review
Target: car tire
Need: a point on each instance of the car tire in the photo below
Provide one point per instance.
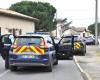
(56, 62)
(49, 68)
(83, 53)
(13, 68)
(70, 58)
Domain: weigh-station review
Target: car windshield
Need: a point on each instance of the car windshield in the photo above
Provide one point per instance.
(76, 38)
(66, 40)
(28, 41)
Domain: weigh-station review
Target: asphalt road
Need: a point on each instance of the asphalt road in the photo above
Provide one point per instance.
(65, 70)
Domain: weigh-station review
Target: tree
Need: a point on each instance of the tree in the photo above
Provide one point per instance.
(43, 11)
(92, 28)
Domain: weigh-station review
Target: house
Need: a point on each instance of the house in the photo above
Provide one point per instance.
(62, 24)
(69, 31)
(15, 23)
(82, 31)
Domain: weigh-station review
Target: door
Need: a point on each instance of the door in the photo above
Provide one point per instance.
(65, 46)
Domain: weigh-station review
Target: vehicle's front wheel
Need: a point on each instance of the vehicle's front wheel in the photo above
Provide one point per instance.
(56, 62)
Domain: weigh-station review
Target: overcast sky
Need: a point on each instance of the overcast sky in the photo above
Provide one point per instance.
(80, 12)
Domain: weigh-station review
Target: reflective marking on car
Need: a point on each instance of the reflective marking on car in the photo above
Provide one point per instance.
(22, 49)
(39, 50)
(35, 49)
(77, 45)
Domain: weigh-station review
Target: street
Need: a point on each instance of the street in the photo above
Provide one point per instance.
(65, 70)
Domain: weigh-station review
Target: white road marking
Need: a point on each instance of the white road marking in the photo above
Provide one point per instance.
(5, 72)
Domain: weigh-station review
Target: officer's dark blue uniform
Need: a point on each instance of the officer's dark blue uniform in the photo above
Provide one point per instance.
(1, 47)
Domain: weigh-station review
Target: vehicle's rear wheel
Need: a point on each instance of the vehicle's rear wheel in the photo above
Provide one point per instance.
(83, 53)
(56, 62)
(49, 68)
(13, 68)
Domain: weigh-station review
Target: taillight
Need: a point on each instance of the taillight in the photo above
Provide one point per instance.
(43, 44)
(46, 46)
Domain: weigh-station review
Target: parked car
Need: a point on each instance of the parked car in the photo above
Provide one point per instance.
(89, 40)
(34, 50)
(79, 46)
(69, 46)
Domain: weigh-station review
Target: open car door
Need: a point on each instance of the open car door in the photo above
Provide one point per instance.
(65, 47)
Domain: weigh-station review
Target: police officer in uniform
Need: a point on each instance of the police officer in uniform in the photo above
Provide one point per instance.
(6, 41)
(1, 48)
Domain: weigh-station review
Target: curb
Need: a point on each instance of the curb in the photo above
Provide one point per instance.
(84, 74)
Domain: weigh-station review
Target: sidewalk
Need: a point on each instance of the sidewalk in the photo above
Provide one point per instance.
(90, 64)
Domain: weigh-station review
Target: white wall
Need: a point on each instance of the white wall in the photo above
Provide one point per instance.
(17, 23)
(69, 32)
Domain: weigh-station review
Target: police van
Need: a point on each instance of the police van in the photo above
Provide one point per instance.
(34, 50)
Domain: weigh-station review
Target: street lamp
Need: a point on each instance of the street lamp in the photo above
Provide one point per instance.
(96, 21)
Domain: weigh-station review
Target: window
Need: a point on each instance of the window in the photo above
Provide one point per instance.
(28, 41)
(0, 30)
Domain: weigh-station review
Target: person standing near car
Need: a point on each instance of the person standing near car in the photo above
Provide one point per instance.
(5, 43)
(8, 40)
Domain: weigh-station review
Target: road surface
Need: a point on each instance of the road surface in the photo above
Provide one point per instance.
(65, 70)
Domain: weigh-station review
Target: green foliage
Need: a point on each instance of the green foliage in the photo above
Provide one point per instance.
(42, 11)
(92, 28)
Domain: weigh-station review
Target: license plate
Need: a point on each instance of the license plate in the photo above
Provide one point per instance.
(28, 56)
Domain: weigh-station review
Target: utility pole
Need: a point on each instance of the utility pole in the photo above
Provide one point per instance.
(56, 25)
(96, 21)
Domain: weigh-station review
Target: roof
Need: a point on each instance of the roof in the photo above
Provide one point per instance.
(34, 35)
(79, 29)
(16, 14)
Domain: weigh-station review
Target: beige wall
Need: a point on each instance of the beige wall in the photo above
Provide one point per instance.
(8, 22)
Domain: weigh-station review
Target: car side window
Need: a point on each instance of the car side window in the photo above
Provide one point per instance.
(49, 40)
